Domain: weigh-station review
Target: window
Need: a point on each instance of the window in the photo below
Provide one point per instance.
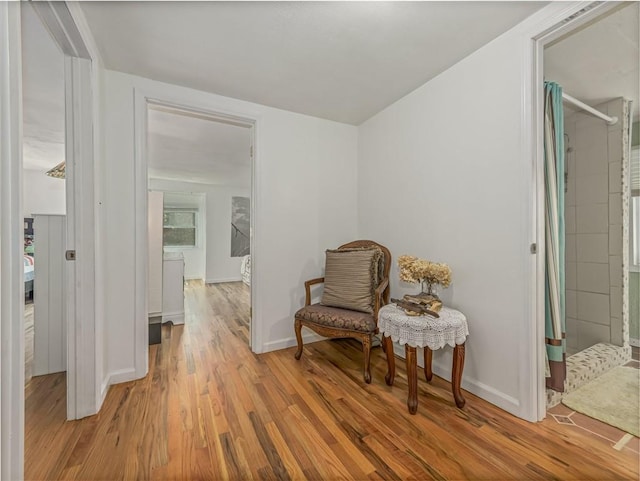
(634, 211)
(179, 228)
(634, 232)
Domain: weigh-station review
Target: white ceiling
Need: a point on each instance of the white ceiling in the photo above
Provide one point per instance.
(343, 61)
(192, 149)
(600, 62)
(316, 58)
(43, 95)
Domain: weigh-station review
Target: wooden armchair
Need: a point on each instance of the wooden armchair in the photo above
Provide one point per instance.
(331, 318)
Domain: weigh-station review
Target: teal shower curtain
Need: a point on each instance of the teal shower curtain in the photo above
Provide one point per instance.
(554, 232)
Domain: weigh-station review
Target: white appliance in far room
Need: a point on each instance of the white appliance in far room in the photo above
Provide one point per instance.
(154, 283)
(173, 288)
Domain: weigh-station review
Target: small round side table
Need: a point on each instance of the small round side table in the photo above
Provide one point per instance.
(429, 333)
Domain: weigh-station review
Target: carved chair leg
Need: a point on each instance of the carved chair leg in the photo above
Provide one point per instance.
(366, 348)
(298, 329)
(391, 361)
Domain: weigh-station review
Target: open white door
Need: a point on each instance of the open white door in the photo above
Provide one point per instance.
(78, 151)
(83, 392)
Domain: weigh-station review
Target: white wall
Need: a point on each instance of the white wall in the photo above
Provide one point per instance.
(306, 201)
(221, 267)
(43, 194)
(214, 258)
(442, 175)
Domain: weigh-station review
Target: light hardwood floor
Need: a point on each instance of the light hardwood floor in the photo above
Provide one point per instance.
(210, 409)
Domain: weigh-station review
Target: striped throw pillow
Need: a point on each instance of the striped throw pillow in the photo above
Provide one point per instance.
(350, 278)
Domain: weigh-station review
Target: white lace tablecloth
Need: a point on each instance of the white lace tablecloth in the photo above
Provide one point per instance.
(423, 331)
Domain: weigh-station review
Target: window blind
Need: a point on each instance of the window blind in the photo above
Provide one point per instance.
(635, 172)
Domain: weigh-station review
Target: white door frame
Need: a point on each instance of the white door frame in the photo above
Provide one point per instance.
(80, 76)
(143, 97)
(11, 247)
(565, 20)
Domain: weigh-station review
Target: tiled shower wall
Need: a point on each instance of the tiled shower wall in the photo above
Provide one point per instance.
(593, 216)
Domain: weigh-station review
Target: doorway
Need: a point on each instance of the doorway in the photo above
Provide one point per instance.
(591, 69)
(44, 198)
(206, 205)
(201, 162)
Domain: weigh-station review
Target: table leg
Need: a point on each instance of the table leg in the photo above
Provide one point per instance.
(412, 378)
(428, 355)
(456, 375)
(387, 342)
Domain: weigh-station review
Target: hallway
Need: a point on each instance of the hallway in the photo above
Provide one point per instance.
(211, 409)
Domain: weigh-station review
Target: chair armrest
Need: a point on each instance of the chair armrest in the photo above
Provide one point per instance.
(379, 300)
(307, 287)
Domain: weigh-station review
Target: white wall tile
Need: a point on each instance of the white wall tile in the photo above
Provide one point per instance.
(570, 125)
(591, 145)
(593, 277)
(593, 307)
(592, 219)
(616, 331)
(615, 271)
(570, 219)
(590, 334)
(571, 303)
(572, 350)
(572, 333)
(615, 240)
(570, 276)
(571, 161)
(615, 145)
(615, 177)
(615, 209)
(613, 108)
(615, 302)
(570, 248)
(592, 189)
(570, 194)
(592, 248)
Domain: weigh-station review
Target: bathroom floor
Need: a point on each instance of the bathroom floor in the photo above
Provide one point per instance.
(609, 435)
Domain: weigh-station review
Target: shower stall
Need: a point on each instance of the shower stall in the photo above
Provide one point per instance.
(597, 151)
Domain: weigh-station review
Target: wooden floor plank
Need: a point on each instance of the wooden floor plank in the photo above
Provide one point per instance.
(211, 409)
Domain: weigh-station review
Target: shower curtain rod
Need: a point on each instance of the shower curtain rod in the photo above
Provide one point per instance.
(591, 110)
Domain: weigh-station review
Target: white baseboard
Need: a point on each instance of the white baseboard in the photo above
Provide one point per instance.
(122, 375)
(104, 389)
(634, 342)
(488, 393)
(290, 342)
(223, 279)
(115, 377)
(193, 278)
(174, 317)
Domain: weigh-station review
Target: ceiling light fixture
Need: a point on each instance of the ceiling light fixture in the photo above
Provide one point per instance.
(57, 171)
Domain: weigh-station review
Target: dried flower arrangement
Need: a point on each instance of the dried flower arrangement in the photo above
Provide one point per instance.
(416, 270)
